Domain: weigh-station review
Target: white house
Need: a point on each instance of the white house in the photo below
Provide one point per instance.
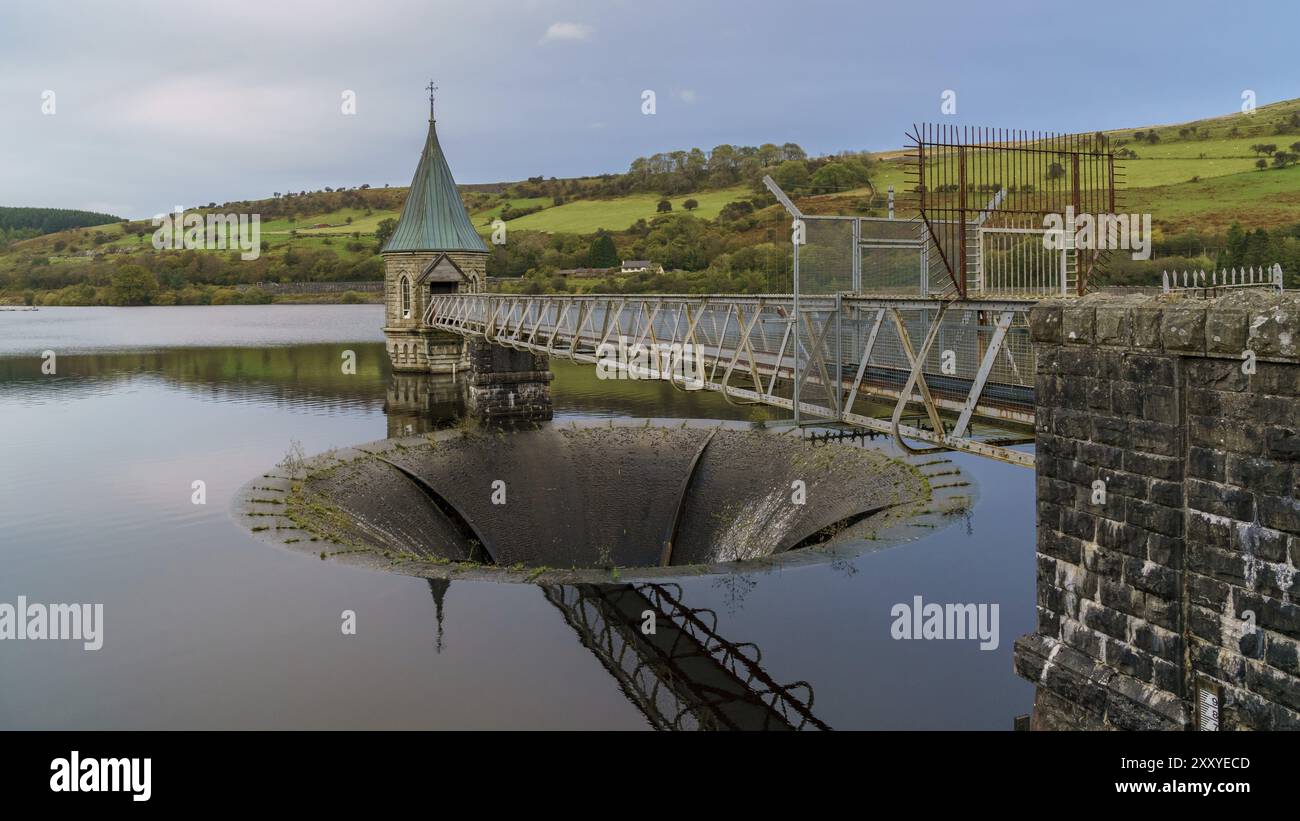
(641, 266)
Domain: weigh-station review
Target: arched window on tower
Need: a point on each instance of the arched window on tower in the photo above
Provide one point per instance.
(405, 286)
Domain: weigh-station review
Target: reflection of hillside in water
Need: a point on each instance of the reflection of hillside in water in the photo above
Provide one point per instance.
(310, 376)
(306, 376)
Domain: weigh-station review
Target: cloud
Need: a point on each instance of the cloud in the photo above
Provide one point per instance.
(212, 108)
(568, 31)
(245, 115)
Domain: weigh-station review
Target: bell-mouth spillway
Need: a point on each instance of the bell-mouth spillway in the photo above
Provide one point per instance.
(595, 500)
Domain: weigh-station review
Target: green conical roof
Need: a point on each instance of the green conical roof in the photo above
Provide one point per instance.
(433, 218)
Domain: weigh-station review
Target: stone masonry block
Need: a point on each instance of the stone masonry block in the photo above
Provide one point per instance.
(1146, 328)
(1114, 326)
(1045, 324)
(1225, 332)
(1274, 332)
(1078, 324)
(1183, 330)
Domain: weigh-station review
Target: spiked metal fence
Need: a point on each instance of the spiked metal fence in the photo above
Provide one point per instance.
(1219, 281)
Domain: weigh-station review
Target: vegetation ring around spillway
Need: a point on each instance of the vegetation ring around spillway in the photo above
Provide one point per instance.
(601, 500)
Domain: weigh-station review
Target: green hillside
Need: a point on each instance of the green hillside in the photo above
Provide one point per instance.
(1197, 179)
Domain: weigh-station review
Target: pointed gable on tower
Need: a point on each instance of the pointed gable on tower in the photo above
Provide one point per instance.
(441, 268)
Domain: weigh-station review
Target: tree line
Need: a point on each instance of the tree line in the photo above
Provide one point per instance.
(49, 220)
(673, 173)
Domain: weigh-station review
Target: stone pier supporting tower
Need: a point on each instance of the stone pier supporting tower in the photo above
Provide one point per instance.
(506, 384)
(1168, 557)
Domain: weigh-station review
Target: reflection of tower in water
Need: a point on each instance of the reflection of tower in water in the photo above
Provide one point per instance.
(438, 588)
(420, 402)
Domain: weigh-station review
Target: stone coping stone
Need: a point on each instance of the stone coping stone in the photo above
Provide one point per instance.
(1265, 321)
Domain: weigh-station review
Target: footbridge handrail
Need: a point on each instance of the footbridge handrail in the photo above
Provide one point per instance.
(968, 359)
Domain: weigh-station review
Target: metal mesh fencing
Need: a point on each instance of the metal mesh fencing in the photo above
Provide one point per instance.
(862, 255)
(892, 257)
(954, 359)
(826, 256)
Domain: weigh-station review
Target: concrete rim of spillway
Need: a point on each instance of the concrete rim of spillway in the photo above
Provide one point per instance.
(265, 506)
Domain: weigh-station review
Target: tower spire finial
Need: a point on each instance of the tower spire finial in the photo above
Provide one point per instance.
(432, 88)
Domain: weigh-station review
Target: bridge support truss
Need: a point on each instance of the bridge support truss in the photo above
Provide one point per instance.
(857, 360)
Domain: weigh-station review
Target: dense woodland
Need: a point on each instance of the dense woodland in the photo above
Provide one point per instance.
(1237, 248)
(24, 223)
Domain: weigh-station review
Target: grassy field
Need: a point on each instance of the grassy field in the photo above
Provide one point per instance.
(483, 218)
(1174, 178)
(1156, 165)
(1253, 198)
(588, 216)
(337, 221)
(1250, 126)
(578, 217)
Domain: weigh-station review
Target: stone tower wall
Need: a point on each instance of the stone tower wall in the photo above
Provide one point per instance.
(411, 346)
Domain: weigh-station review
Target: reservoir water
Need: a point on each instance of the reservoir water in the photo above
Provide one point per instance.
(207, 627)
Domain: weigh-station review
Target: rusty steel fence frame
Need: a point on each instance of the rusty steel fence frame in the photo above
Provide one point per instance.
(1030, 175)
(970, 360)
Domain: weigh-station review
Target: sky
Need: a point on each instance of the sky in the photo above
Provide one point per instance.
(155, 105)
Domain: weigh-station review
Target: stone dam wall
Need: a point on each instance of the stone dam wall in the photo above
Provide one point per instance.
(1168, 460)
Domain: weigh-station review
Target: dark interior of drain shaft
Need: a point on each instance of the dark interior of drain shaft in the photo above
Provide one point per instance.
(605, 496)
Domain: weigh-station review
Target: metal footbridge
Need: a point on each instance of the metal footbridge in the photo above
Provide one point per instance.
(867, 361)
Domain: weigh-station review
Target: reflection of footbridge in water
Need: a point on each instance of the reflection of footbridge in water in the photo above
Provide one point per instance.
(670, 661)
